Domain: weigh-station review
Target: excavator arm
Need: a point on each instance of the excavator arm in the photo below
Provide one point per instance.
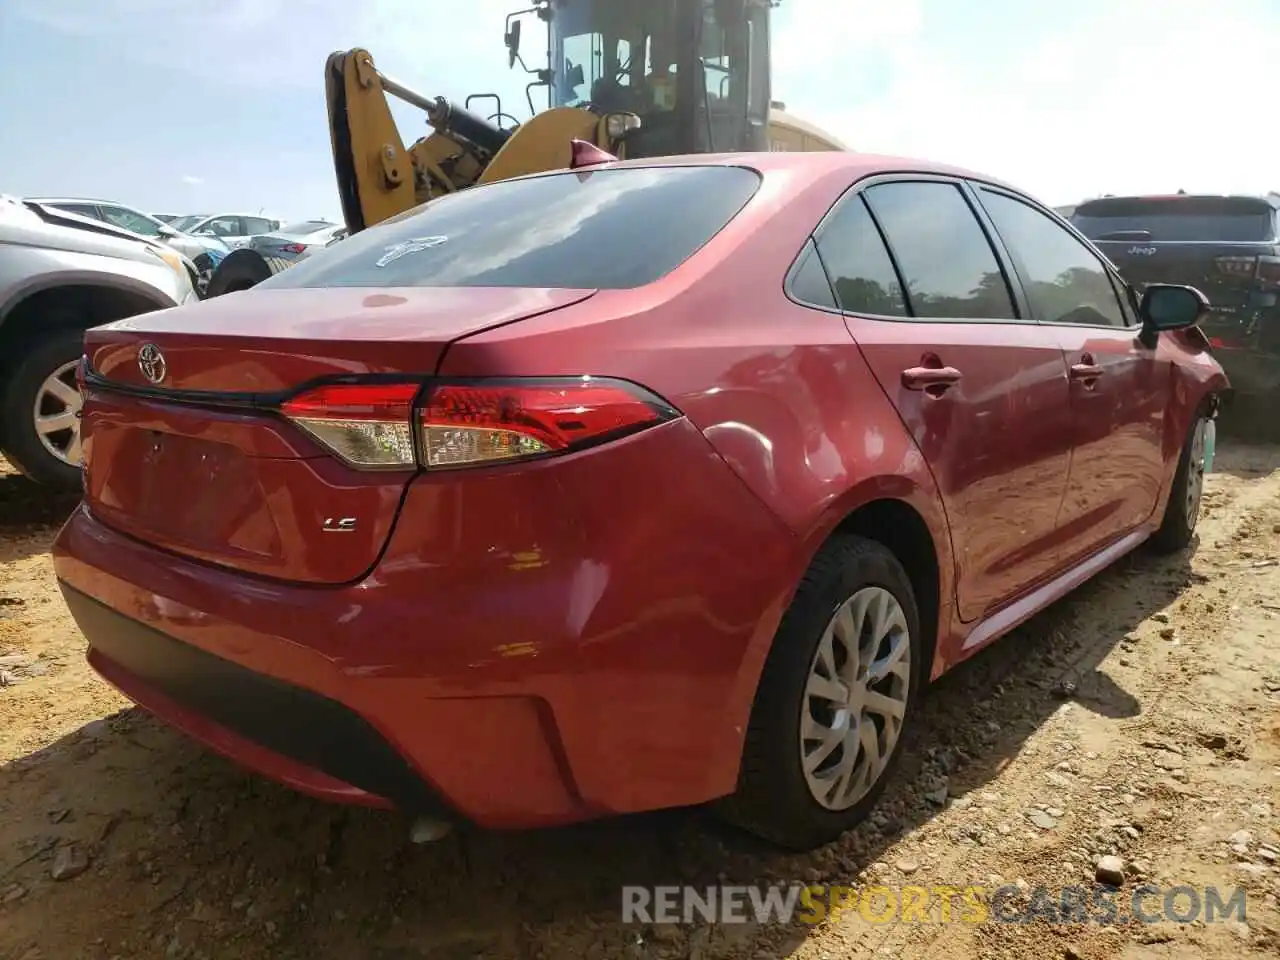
(379, 177)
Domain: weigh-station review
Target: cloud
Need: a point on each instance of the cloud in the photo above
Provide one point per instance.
(1066, 100)
(192, 180)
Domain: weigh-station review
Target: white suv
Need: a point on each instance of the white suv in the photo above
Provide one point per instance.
(61, 274)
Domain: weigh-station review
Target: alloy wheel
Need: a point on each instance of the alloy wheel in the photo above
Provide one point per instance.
(56, 414)
(1195, 473)
(856, 698)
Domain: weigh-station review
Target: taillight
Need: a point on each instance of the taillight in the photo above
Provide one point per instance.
(293, 248)
(459, 424)
(369, 425)
(1264, 269)
(1236, 266)
(1269, 271)
(464, 424)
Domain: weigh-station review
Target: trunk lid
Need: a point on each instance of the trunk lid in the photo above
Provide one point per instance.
(275, 340)
(203, 464)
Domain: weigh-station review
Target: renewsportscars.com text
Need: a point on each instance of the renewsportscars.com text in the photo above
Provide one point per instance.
(937, 904)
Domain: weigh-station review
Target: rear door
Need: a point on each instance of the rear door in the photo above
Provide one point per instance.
(981, 388)
(1119, 389)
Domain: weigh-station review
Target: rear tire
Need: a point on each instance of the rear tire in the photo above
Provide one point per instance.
(808, 770)
(1182, 512)
(242, 270)
(30, 391)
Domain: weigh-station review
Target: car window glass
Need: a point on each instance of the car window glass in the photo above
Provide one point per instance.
(947, 264)
(860, 269)
(305, 226)
(1065, 282)
(128, 220)
(1161, 219)
(256, 225)
(610, 229)
(809, 283)
(80, 209)
(222, 227)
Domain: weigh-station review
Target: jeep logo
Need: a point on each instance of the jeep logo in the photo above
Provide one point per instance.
(1141, 251)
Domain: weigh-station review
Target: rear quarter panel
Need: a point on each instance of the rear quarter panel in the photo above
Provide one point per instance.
(779, 391)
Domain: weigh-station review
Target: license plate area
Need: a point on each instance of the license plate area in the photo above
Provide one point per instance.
(180, 491)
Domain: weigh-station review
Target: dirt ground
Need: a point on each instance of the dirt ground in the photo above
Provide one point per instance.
(1139, 717)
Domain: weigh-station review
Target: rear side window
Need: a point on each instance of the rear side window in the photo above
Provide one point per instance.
(80, 209)
(809, 283)
(947, 263)
(603, 229)
(1157, 219)
(859, 265)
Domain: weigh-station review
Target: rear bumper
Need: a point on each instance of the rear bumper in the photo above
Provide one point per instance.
(315, 744)
(1251, 372)
(1247, 345)
(607, 667)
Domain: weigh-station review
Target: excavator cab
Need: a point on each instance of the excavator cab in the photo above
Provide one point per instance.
(694, 72)
(636, 79)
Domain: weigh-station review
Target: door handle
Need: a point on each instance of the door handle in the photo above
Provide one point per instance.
(933, 379)
(1085, 371)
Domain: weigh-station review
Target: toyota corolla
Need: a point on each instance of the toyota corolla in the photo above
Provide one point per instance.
(634, 486)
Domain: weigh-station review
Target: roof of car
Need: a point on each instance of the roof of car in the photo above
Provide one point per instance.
(75, 200)
(237, 213)
(1269, 198)
(819, 162)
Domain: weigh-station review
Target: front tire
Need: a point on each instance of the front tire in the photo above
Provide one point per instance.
(839, 691)
(1182, 512)
(40, 406)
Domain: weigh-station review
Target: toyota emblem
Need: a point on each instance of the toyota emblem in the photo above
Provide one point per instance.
(151, 362)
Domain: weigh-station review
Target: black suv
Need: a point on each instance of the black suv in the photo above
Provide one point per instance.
(1227, 246)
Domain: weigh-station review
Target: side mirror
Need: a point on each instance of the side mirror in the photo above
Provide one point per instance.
(512, 41)
(1167, 306)
(164, 230)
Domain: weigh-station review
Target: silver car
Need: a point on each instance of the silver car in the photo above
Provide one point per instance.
(143, 224)
(60, 274)
(234, 229)
(296, 240)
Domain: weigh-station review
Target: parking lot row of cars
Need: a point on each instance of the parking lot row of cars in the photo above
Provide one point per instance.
(205, 239)
(70, 263)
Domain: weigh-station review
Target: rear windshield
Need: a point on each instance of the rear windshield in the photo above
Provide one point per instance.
(306, 226)
(603, 229)
(1208, 219)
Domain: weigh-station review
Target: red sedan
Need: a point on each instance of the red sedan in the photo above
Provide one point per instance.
(629, 487)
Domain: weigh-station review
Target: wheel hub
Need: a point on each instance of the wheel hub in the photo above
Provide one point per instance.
(855, 698)
(56, 414)
(1195, 472)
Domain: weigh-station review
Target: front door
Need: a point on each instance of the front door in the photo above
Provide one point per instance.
(983, 392)
(1118, 389)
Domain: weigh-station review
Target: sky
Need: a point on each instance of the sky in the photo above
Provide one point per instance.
(178, 106)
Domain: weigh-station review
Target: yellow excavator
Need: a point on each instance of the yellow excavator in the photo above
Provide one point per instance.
(635, 79)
